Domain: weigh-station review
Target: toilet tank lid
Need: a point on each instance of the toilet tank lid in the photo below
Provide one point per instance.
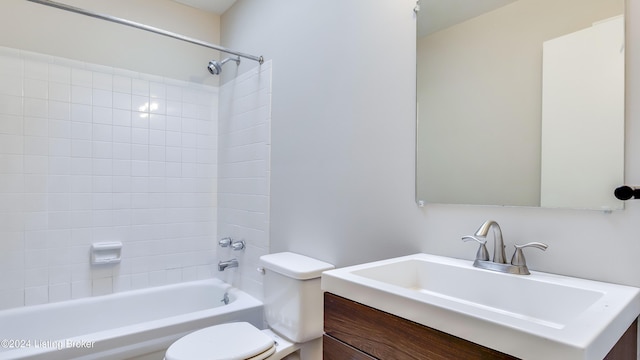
(294, 265)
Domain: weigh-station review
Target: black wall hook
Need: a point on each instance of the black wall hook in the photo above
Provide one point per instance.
(627, 192)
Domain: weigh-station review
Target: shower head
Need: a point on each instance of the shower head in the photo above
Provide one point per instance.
(215, 67)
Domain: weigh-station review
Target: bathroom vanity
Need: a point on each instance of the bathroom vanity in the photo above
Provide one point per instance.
(354, 331)
(425, 307)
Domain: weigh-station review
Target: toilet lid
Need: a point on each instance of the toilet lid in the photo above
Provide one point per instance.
(232, 341)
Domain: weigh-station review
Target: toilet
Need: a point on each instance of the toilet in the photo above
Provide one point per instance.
(293, 311)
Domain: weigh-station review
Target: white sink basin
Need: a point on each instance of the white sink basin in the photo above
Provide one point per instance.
(537, 316)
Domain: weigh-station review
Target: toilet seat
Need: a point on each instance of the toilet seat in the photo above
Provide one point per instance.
(232, 341)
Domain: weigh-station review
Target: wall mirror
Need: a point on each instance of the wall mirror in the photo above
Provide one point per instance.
(520, 102)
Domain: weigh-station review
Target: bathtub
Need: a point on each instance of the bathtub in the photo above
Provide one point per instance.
(139, 324)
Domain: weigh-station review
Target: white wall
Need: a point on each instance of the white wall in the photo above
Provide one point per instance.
(34, 27)
(343, 125)
(342, 186)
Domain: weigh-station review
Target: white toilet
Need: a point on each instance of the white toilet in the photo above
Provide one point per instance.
(293, 310)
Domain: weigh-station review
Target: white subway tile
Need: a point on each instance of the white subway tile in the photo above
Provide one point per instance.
(158, 90)
(122, 134)
(81, 77)
(102, 201)
(36, 295)
(82, 201)
(102, 132)
(81, 95)
(102, 184)
(36, 277)
(121, 200)
(59, 165)
(35, 164)
(81, 113)
(122, 283)
(11, 84)
(189, 140)
(81, 219)
(59, 147)
(140, 104)
(59, 128)
(35, 183)
(102, 81)
(34, 126)
(157, 122)
(140, 280)
(81, 166)
(59, 220)
(34, 145)
(122, 84)
(158, 106)
(102, 150)
(35, 258)
(121, 150)
(80, 289)
(102, 115)
(140, 152)
(102, 286)
(81, 130)
(38, 89)
(121, 167)
(59, 74)
(32, 202)
(11, 105)
(102, 98)
(122, 101)
(35, 107)
(35, 67)
(102, 166)
(59, 292)
(140, 136)
(140, 87)
(139, 168)
(102, 218)
(60, 274)
(59, 92)
(81, 184)
(121, 117)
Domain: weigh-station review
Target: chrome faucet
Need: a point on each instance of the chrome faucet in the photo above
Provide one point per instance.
(222, 265)
(518, 262)
(498, 244)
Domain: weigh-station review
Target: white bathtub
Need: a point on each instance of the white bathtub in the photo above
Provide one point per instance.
(134, 324)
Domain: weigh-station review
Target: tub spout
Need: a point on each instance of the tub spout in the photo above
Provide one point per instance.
(222, 265)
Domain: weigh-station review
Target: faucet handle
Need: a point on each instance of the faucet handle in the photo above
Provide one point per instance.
(482, 253)
(518, 256)
(225, 242)
(238, 245)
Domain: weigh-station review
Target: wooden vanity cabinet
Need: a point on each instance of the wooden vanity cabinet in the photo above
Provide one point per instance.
(357, 332)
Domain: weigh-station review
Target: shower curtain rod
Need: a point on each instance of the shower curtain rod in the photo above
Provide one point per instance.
(152, 29)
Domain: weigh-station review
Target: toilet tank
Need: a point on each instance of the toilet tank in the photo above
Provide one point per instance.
(292, 295)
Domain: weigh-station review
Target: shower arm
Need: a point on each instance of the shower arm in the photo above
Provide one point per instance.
(140, 26)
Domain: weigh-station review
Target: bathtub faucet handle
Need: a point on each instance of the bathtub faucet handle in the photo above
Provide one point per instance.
(225, 242)
(238, 245)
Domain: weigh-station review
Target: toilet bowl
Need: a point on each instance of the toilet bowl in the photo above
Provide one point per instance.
(293, 312)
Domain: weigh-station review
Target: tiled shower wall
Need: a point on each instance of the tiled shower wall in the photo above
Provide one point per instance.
(243, 173)
(91, 154)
